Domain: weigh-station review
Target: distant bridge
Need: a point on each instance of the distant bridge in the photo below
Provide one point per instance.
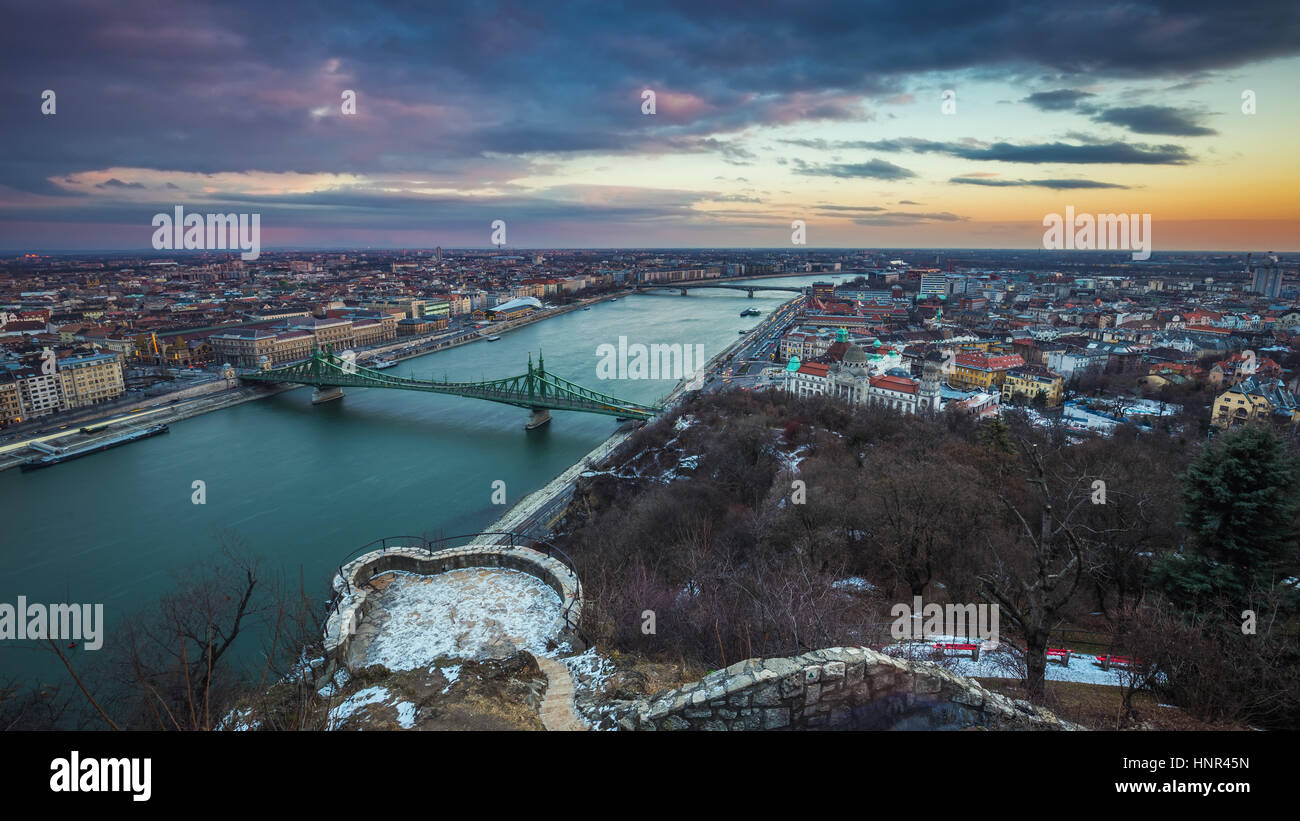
(536, 390)
(686, 286)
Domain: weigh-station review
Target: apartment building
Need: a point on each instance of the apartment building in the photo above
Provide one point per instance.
(11, 403)
(90, 380)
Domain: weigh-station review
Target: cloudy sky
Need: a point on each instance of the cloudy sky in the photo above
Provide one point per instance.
(832, 113)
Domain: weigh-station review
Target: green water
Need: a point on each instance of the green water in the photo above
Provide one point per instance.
(304, 485)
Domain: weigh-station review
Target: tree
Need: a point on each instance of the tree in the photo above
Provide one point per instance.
(1037, 562)
(1239, 504)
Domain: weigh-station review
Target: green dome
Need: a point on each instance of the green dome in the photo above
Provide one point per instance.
(793, 365)
(876, 344)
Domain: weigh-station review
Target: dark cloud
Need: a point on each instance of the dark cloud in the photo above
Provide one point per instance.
(872, 169)
(1060, 100)
(116, 183)
(1060, 185)
(1155, 119)
(1116, 153)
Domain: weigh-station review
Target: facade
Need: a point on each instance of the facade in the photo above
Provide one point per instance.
(11, 403)
(41, 394)
(850, 381)
(243, 348)
(514, 309)
(328, 332)
(1031, 381)
(1267, 279)
(934, 285)
(90, 380)
(1255, 400)
(415, 327)
(1072, 362)
(981, 371)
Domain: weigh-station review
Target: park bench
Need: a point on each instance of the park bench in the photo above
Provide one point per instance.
(973, 649)
(1108, 662)
(1063, 656)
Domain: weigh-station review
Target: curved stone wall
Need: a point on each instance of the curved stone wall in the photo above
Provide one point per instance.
(841, 688)
(344, 627)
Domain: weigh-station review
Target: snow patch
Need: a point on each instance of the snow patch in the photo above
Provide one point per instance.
(465, 613)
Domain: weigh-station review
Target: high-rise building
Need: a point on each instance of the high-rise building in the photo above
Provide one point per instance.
(1266, 278)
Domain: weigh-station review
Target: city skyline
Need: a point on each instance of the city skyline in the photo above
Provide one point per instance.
(832, 116)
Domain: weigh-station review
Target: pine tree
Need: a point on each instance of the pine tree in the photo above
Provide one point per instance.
(1239, 504)
(995, 435)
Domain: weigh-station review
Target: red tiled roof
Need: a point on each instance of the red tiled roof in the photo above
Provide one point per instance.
(990, 363)
(814, 369)
(894, 383)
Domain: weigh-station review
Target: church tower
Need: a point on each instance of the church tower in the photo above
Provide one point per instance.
(931, 376)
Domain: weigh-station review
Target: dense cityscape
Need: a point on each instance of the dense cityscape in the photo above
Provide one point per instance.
(1059, 335)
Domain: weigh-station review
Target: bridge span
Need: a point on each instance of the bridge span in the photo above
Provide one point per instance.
(684, 287)
(537, 390)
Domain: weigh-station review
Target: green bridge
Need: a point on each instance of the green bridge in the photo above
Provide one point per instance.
(537, 390)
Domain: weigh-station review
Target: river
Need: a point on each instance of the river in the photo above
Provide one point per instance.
(303, 485)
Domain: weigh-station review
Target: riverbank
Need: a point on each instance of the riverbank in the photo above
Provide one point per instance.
(536, 513)
(481, 334)
(12, 454)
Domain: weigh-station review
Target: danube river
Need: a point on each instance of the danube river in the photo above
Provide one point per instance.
(303, 485)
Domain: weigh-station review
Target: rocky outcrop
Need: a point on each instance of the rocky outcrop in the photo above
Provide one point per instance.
(841, 688)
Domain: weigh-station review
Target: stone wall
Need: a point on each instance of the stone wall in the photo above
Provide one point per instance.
(841, 688)
(345, 630)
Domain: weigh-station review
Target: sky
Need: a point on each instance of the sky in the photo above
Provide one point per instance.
(878, 124)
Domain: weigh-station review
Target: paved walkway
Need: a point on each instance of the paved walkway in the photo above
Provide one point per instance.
(557, 705)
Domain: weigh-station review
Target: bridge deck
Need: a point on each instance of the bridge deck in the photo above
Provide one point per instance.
(534, 390)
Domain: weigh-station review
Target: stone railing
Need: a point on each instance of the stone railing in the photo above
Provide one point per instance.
(841, 688)
(346, 631)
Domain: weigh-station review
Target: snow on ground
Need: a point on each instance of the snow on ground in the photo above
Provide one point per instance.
(590, 668)
(452, 674)
(853, 583)
(239, 721)
(794, 457)
(591, 671)
(405, 714)
(460, 614)
(335, 684)
(372, 695)
(1004, 662)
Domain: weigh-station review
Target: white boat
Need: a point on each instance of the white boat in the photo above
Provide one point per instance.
(493, 338)
(381, 364)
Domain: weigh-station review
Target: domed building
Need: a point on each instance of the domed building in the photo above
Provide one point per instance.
(860, 379)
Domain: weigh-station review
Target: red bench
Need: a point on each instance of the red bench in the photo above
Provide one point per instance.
(973, 649)
(1063, 656)
(1107, 662)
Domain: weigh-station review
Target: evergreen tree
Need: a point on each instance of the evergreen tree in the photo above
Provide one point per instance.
(1239, 504)
(995, 435)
